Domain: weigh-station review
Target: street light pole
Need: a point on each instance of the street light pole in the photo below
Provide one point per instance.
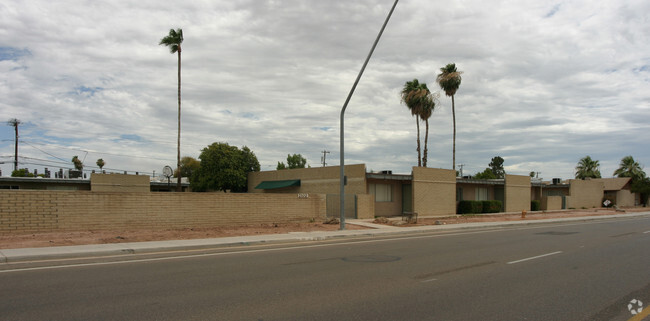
(345, 105)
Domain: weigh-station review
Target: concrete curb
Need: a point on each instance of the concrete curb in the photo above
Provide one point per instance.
(118, 249)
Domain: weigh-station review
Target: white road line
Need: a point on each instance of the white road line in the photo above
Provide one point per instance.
(646, 232)
(534, 257)
(429, 280)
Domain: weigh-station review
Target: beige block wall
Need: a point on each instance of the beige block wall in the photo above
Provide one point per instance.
(323, 180)
(517, 193)
(585, 193)
(44, 211)
(551, 203)
(365, 206)
(119, 183)
(434, 191)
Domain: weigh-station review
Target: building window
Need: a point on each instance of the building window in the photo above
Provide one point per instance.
(382, 192)
(481, 194)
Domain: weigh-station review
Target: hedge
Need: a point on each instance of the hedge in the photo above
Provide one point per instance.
(535, 206)
(477, 207)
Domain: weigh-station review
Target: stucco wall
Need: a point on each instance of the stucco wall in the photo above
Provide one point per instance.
(625, 198)
(434, 191)
(517, 193)
(585, 193)
(323, 180)
(43, 211)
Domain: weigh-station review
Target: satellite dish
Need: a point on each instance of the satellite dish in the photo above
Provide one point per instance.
(168, 172)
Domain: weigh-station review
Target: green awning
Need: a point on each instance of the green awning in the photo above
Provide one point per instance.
(278, 184)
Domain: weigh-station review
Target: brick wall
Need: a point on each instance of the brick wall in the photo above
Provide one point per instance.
(325, 180)
(43, 211)
(517, 193)
(585, 193)
(119, 183)
(434, 191)
(550, 203)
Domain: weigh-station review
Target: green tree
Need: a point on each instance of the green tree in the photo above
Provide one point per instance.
(100, 163)
(587, 168)
(642, 186)
(415, 96)
(486, 174)
(630, 168)
(428, 106)
(224, 168)
(496, 166)
(188, 166)
(78, 165)
(174, 40)
(293, 161)
(21, 173)
(449, 80)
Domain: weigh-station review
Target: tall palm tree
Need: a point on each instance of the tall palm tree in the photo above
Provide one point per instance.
(426, 110)
(412, 95)
(174, 40)
(587, 168)
(629, 168)
(449, 80)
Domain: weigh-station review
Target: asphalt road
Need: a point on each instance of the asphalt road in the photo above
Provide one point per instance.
(576, 271)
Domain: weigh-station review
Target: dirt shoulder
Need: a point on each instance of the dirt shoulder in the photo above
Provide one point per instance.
(14, 241)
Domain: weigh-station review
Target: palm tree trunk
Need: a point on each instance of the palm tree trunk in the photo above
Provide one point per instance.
(453, 112)
(417, 123)
(426, 141)
(179, 188)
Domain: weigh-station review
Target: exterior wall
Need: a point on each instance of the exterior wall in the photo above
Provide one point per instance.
(394, 207)
(324, 180)
(625, 198)
(517, 193)
(32, 183)
(365, 206)
(119, 183)
(585, 193)
(469, 191)
(43, 211)
(434, 191)
(551, 203)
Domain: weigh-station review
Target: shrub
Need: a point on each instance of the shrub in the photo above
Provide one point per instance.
(465, 207)
(535, 206)
(491, 206)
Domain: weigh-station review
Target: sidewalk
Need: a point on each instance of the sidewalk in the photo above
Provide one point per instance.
(115, 249)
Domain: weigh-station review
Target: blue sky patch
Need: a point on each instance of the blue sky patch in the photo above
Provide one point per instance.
(89, 91)
(9, 53)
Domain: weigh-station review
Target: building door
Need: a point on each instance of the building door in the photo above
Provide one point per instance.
(407, 198)
(499, 195)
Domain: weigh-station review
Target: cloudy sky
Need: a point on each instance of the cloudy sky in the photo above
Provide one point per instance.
(545, 83)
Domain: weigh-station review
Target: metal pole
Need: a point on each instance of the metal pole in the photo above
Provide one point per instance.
(345, 105)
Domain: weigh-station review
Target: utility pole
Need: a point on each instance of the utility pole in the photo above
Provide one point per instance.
(15, 122)
(322, 159)
(342, 121)
(461, 169)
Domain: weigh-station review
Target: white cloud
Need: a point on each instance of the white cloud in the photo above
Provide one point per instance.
(544, 84)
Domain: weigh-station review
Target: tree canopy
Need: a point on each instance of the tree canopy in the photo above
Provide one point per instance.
(188, 166)
(224, 168)
(496, 166)
(293, 161)
(78, 165)
(630, 168)
(587, 168)
(486, 174)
